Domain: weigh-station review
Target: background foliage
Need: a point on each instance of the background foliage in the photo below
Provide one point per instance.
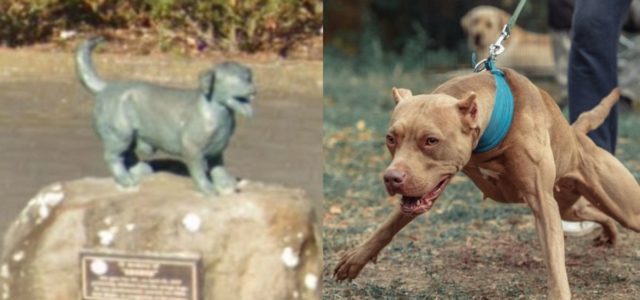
(248, 25)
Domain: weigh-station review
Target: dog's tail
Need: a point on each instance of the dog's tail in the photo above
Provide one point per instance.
(84, 66)
(590, 120)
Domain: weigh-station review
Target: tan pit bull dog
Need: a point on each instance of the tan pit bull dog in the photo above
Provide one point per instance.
(542, 161)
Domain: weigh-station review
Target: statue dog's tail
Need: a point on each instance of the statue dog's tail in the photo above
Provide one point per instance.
(84, 66)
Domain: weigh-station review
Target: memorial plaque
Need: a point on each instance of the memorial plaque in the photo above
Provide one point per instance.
(114, 276)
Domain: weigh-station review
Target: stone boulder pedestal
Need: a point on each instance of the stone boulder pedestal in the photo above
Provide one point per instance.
(260, 243)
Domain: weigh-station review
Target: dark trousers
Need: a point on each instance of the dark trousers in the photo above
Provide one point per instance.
(595, 30)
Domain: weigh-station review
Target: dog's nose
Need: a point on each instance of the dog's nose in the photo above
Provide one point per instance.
(394, 180)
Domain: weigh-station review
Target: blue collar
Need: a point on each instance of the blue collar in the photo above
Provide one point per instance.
(501, 116)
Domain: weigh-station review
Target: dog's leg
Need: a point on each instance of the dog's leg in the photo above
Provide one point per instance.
(582, 210)
(603, 179)
(144, 149)
(608, 185)
(223, 182)
(141, 169)
(115, 149)
(354, 260)
(549, 229)
(533, 173)
(197, 166)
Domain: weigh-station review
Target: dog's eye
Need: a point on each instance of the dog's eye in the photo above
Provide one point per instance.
(391, 140)
(431, 141)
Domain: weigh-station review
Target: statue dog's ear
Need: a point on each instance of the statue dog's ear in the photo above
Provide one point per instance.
(207, 82)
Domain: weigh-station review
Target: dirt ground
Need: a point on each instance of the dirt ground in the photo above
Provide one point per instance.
(465, 247)
(46, 133)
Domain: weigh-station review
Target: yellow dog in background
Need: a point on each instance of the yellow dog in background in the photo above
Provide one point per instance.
(525, 51)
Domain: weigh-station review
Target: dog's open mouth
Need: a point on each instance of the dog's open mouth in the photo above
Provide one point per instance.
(242, 104)
(420, 205)
(243, 99)
(478, 40)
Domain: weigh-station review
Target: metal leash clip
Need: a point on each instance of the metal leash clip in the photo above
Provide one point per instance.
(495, 49)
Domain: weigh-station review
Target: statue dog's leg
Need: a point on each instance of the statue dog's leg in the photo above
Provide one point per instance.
(143, 149)
(197, 166)
(223, 182)
(115, 149)
(141, 169)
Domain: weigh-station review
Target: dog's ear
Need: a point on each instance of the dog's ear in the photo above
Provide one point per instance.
(207, 81)
(464, 22)
(400, 94)
(468, 109)
(503, 16)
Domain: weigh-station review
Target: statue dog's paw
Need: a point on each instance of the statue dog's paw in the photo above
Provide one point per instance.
(140, 170)
(126, 181)
(224, 183)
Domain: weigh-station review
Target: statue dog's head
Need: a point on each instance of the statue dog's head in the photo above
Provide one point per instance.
(230, 84)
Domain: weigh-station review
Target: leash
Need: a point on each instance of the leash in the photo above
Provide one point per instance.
(497, 48)
(504, 106)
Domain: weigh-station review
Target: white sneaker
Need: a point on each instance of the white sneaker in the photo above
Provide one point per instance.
(579, 228)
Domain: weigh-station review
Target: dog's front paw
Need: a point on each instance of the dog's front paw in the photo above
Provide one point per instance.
(352, 263)
(140, 170)
(224, 183)
(126, 181)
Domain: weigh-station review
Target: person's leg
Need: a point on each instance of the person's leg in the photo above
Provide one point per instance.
(561, 45)
(592, 74)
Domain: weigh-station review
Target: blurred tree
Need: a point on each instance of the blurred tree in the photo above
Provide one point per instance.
(248, 25)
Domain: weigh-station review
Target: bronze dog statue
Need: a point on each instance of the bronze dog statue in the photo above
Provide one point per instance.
(195, 124)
